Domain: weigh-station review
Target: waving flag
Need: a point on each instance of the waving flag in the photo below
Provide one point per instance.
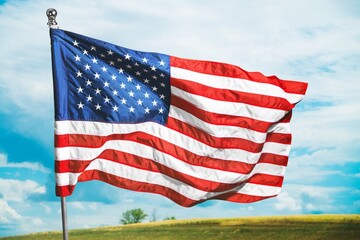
(187, 129)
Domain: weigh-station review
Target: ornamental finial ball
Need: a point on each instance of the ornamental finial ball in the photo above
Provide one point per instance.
(51, 14)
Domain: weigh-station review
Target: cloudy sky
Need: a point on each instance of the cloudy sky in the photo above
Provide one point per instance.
(313, 41)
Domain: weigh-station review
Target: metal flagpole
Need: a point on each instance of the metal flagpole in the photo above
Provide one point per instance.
(64, 218)
(51, 14)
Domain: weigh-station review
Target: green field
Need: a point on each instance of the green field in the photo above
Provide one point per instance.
(290, 227)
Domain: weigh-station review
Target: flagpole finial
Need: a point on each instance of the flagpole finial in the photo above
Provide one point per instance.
(51, 14)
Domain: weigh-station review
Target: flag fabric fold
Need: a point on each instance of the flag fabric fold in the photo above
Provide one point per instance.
(189, 130)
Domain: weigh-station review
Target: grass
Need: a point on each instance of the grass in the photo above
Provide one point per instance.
(308, 227)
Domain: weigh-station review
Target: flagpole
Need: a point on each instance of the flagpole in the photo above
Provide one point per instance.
(51, 14)
(64, 218)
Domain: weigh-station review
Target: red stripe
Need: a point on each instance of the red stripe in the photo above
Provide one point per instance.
(225, 142)
(94, 141)
(232, 95)
(228, 70)
(176, 197)
(78, 166)
(78, 140)
(223, 119)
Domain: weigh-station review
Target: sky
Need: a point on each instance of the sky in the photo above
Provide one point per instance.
(313, 41)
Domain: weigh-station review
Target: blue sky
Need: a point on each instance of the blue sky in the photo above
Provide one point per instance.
(312, 41)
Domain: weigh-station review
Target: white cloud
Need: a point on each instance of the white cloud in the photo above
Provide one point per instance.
(308, 198)
(7, 214)
(250, 208)
(77, 205)
(46, 208)
(36, 166)
(37, 221)
(285, 201)
(19, 191)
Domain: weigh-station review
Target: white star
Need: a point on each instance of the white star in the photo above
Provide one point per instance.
(110, 52)
(93, 48)
(131, 93)
(102, 55)
(78, 74)
(111, 63)
(162, 75)
(97, 75)
(119, 60)
(115, 93)
(127, 56)
(146, 80)
(154, 103)
(97, 91)
(145, 70)
(162, 96)
(147, 95)
(120, 70)
(106, 84)
(138, 73)
(80, 105)
(128, 66)
(80, 89)
(139, 102)
(75, 43)
(89, 98)
(88, 83)
(136, 64)
(131, 109)
(154, 88)
(104, 69)
(147, 110)
(77, 58)
(85, 52)
(144, 60)
(122, 85)
(129, 79)
(162, 63)
(161, 110)
(162, 84)
(106, 99)
(153, 68)
(154, 77)
(113, 77)
(123, 101)
(94, 60)
(98, 107)
(138, 87)
(87, 67)
(115, 108)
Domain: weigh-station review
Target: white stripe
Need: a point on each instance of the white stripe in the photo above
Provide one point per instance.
(223, 131)
(230, 108)
(174, 137)
(123, 171)
(88, 154)
(236, 84)
(280, 128)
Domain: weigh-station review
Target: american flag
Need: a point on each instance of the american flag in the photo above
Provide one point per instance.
(190, 130)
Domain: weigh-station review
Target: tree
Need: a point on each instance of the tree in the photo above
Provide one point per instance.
(136, 215)
(154, 216)
(169, 218)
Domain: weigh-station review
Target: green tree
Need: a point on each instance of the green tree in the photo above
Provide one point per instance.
(169, 218)
(136, 215)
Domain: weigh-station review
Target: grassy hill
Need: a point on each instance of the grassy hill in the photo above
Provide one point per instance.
(290, 227)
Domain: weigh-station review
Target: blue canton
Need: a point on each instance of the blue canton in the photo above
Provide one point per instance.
(99, 81)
